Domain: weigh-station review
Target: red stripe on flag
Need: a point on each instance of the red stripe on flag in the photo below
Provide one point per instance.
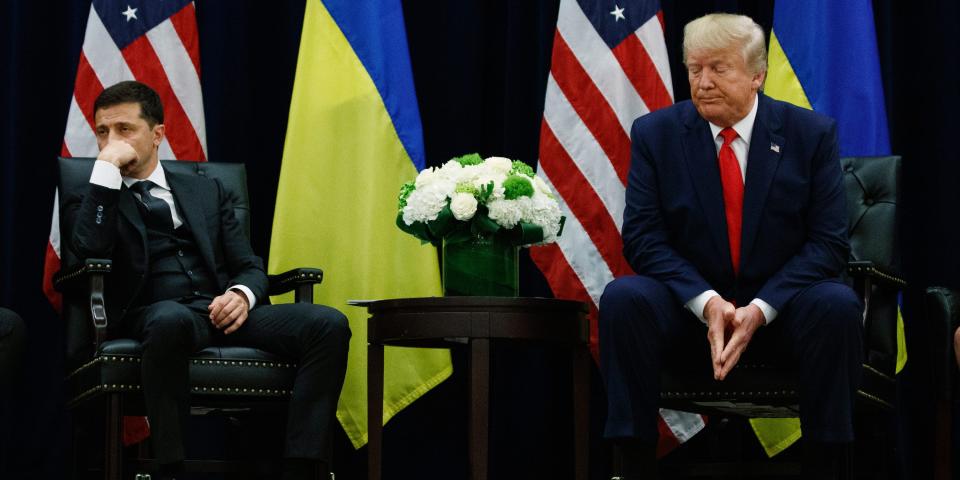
(591, 106)
(86, 89)
(667, 441)
(185, 23)
(566, 284)
(582, 201)
(135, 430)
(642, 72)
(146, 68)
(663, 27)
(51, 265)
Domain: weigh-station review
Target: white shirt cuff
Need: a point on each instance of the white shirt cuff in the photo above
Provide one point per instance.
(697, 304)
(251, 300)
(769, 313)
(106, 174)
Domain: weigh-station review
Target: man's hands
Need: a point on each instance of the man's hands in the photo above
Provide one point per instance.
(729, 330)
(229, 311)
(119, 153)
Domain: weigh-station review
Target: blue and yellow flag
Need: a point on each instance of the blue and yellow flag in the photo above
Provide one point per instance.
(823, 56)
(353, 138)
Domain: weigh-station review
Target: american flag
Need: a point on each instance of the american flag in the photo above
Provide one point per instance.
(609, 66)
(155, 43)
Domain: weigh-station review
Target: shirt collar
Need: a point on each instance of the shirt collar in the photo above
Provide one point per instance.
(744, 127)
(158, 177)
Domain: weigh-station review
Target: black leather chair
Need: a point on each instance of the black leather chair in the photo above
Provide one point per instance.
(758, 387)
(942, 312)
(106, 371)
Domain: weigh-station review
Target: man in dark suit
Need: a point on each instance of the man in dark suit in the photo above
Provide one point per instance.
(186, 278)
(735, 217)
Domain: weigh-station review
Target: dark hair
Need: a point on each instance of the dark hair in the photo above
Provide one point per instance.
(151, 108)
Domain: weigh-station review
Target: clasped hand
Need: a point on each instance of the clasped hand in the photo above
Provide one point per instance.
(228, 312)
(729, 330)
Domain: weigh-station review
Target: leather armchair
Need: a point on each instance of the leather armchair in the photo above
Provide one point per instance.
(107, 370)
(758, 387)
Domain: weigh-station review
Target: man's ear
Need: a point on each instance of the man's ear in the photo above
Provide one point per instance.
(757, 81)
(158, 132)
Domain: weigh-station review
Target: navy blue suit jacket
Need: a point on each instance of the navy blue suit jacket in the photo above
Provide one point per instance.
(794, 229)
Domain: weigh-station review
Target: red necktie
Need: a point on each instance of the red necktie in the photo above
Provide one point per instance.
(732, 194)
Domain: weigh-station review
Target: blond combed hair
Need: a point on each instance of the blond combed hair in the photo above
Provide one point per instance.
(719, 31)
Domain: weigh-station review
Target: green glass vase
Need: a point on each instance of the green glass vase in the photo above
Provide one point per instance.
(481, 266)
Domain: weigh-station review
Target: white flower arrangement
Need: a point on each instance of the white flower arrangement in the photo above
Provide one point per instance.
(469, 196)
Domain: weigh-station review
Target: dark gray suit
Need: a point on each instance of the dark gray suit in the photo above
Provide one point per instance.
(168, 313)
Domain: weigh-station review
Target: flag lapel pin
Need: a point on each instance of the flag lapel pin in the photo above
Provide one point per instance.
(775, 148)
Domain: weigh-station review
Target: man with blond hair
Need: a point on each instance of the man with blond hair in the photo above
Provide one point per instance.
(735, 224)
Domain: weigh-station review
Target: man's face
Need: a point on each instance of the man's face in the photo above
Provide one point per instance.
(721, 86)
(122, 122)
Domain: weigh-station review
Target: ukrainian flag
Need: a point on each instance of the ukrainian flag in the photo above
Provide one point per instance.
(353, 137)
(823, 56)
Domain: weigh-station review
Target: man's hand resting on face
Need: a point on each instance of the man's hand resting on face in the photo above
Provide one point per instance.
(119, 153)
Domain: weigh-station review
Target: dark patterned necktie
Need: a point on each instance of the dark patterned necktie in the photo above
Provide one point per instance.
(156, 212)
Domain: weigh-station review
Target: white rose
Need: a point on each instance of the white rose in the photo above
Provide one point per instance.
(542, 186)
(463, 206)
(500, 164)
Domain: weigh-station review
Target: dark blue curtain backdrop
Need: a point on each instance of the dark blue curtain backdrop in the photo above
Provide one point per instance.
(480, 68)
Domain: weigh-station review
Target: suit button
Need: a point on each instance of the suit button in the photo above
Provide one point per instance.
(99, 221)
(196, 292)
(180, 253)
(190, 272)
(99, 208)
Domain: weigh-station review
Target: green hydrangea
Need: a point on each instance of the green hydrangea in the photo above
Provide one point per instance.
(405, 190)
(516, 186)
(470, 159)
(521, 168)
(466, 188)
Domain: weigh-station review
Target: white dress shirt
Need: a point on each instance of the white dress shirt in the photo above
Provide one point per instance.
(740, 146)
(108, 175)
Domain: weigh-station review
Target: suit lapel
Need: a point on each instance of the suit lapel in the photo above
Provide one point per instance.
(766, 146)
(187, 197)
(701, 156)
(129, 210)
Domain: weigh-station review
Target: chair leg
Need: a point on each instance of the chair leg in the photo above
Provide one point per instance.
(113, 438)
(942, 438)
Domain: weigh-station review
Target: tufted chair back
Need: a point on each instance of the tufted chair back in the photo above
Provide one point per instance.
(873, 198)
(872, 190)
